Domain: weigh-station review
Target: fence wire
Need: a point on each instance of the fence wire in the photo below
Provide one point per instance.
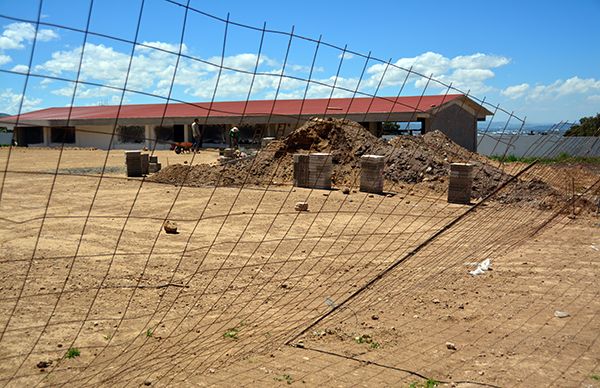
(94, 292)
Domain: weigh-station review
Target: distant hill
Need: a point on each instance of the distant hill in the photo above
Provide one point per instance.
(527, 128)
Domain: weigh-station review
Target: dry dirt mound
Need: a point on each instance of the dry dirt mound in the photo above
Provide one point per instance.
(409, 159)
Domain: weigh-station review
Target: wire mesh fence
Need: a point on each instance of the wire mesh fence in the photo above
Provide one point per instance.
(95, 292)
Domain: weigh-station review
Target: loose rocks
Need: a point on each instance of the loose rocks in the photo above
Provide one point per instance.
(301, 206)
(44, 364)
(170, 227)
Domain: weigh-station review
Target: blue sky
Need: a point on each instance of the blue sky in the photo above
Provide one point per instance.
(540, 60)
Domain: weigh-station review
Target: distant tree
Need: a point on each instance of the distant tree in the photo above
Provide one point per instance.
(588, 126)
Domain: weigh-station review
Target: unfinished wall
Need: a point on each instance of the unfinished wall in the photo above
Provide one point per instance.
(6, 138)
(458, 124)
(99, 136)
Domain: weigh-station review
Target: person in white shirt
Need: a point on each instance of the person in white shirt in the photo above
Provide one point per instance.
(234, 137)
(197, 133)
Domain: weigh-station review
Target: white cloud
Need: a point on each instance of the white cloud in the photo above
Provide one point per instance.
(152, 71)
(306, 69)
(83, 91)
(13, 38)
(427, 63)
(45, 82)
(10, 101)
(15, 34)
(346, 55)
(594, 98)
(560, 88)
(560, 100)
(103, 64)
(465, 72)
(20, 68)
(174, 48)
(555, 91)
(515, 91)
(478, 61)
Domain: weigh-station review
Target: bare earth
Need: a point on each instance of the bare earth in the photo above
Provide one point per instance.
(251, 292)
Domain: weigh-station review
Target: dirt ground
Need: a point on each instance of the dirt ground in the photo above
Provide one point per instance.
(252, 293)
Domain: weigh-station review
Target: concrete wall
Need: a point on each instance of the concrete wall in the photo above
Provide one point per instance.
(99, 136)
(6, 138)
(456, 123)
(537, 145)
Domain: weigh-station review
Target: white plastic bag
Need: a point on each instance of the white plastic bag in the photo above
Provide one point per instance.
(481, 267)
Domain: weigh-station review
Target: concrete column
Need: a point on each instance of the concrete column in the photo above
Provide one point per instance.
(474, 137)
(186, 133)
(47, 136)
(149, 135)
(373, 128)
(425, 125)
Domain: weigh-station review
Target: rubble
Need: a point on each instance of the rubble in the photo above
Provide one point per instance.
(422, 160)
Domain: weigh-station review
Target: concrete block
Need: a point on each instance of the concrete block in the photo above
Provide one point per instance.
(460, 183)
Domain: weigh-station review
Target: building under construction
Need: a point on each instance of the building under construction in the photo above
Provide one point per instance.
(158, 125)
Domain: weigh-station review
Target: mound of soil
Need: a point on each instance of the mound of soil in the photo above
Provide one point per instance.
(409, 159)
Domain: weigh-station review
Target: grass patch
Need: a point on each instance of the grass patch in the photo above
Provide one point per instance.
(595, 377)
(72, 353)
(234, 331)
(367, 339)
(287, 378)
(231, 333)
(430, 383)
(149, 333)
(561, 158)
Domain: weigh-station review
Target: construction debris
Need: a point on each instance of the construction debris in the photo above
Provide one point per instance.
(140, 164)
(421, 160)
(170, 227)
(301, 206)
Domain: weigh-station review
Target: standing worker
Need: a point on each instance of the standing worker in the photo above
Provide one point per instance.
(197, 133)
(234, 137)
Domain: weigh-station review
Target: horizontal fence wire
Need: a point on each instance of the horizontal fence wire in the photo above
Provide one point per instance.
(89, 273)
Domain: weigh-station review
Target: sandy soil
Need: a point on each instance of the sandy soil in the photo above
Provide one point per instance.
(85, 264)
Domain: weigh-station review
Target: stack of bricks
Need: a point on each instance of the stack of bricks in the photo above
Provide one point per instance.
(300, 170)
(313, 171)
(461, 181)
(153, 165)
(133, 161)
(320, 168)
(371, 173)
(144, 162)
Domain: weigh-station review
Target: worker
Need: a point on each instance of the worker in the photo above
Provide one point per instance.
(197, 134)
(234, 137)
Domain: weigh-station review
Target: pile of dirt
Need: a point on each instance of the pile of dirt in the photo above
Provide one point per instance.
(409, 159)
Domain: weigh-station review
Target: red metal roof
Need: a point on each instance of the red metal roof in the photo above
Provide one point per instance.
(311, 107)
